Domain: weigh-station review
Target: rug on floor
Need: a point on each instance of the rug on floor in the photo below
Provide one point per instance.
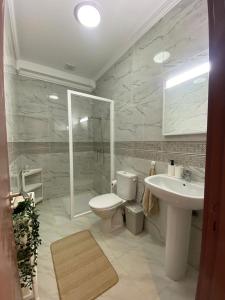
(82, 269)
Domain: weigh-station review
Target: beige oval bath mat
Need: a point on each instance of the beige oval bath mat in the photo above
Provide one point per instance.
(83, 272)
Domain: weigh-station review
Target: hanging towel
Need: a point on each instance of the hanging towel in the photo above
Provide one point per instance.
(150, 203)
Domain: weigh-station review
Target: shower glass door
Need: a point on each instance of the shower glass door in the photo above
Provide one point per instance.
(91, 149)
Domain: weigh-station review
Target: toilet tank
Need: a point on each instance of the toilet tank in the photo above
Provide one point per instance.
(126, 185)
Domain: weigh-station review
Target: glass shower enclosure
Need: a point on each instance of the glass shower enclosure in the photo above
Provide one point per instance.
(91, 149)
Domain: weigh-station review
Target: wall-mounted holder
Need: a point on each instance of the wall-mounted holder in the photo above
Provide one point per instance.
(32, 181)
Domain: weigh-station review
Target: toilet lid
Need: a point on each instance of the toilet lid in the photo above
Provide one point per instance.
(105, 201)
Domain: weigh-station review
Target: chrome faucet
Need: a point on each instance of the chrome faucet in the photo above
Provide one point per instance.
(187, 174)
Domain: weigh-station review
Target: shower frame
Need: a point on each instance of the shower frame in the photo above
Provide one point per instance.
(86, 96)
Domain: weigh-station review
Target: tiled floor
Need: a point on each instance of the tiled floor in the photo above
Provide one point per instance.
(138, 260)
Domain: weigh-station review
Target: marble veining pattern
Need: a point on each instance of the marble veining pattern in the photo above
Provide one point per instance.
(40, 136)
(136, 84)
(37, 129)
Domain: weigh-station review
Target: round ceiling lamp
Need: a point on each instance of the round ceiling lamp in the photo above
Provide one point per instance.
(87, 14)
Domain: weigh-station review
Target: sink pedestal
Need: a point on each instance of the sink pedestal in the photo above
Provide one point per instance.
(177, 241)
(182, 197)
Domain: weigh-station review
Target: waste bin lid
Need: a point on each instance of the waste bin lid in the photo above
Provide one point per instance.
(134, 208)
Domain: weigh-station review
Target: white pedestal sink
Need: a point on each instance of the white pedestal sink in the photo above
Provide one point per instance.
(182, 197)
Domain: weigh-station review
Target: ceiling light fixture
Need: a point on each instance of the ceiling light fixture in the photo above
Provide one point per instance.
(53, 97)
(190, 74)
(162, 56)
(87, 14)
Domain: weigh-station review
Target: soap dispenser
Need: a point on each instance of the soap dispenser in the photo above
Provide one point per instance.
(171, 168)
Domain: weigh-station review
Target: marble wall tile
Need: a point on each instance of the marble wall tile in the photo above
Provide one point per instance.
(33, 161)
(34, 129)
(107, 83)
(10, 100)
(42, 119)
(102, 173)
(53, 158)
(55, 172)
(40, 129)
(82, 107)
(58, 123)
(135, 83)
(180, 36)
(90, 167)
(137, 86)
(102, 164)
(101, 121)
(32, 98)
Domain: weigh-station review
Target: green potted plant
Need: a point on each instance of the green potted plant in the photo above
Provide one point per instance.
(27, 238)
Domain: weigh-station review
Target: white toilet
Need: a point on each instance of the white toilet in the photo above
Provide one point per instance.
(108, 206)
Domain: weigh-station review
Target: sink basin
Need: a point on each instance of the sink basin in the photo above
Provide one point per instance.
(182, 197)
(177, 192)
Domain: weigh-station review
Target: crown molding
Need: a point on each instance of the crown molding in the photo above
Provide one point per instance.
(146, 26)
(36, 71)
(41, 72)
(12, 19)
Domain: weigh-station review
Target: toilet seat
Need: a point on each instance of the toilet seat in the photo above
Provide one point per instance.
(106, 201)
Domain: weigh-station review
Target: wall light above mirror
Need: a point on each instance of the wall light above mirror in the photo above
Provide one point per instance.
(188, 75)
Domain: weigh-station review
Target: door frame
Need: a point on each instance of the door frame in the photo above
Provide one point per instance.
(9, 277)
(211, 284)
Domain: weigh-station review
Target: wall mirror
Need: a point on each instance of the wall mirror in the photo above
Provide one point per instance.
(186, 97)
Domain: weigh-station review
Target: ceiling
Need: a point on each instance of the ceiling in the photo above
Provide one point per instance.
(46, 32)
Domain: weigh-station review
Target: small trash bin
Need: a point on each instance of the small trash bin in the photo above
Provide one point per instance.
(134, 218)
